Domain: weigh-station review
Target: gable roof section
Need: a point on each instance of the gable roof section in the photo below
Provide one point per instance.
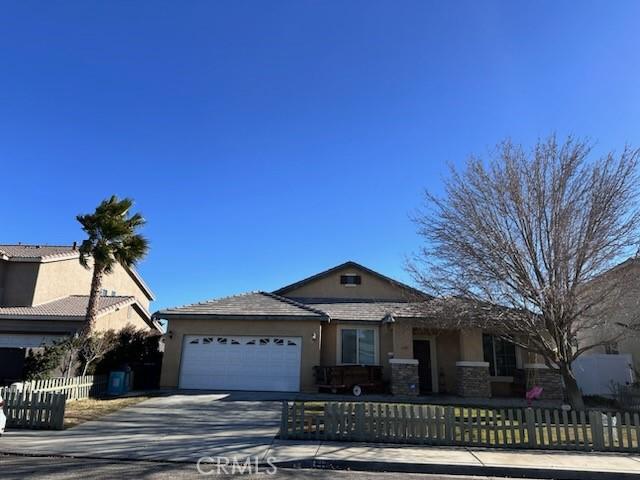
(414, 292)
(54, 253)
(253, 304)
(36, 253)
(617, 270)
(354, 309)
(73, 307)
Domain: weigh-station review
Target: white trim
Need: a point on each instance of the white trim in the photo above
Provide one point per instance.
(376, 341)
(472, 364)
(404, 361)
(433, 360)
(535, 366)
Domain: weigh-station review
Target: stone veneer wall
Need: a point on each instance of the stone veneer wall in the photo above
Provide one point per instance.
(404, 377)
(473, 379)
(550, 380)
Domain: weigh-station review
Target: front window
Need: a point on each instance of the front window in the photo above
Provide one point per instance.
(358, 346)
(500, 354)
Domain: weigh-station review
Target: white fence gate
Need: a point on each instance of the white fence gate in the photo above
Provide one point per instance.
(598, 373)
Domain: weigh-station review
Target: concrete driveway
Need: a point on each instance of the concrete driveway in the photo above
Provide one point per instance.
(178, 427)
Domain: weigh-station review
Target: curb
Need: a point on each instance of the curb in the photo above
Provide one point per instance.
(446, 469)
(395, 467)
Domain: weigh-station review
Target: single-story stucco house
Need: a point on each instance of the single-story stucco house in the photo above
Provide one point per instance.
(347, 315)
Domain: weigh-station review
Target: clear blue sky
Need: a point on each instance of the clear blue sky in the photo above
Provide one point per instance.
(267, 140)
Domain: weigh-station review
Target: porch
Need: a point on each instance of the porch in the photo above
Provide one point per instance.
(466, 362)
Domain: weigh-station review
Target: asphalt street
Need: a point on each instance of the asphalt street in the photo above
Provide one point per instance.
(56, 468)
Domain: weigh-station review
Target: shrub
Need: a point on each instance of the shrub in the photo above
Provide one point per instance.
(138, 349)
(40, 364)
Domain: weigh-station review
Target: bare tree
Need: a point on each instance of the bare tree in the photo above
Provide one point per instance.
(530, 230)
(94, 347)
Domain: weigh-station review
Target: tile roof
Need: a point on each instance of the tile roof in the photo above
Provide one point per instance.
(247, 304)
(436, 312)
(37, 252)
(269, 305)
(73, 307)
(354, 309)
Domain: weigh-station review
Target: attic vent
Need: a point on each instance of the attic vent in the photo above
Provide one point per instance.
(350, 279)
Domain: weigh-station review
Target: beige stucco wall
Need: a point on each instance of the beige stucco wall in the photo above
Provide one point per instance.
(177, 329)
(329, 346)
(402, 340)
(447, 354)
(19, 283)
(471, 345)
(386, 349)
(63, 278)
(119, 319)
(329, 287)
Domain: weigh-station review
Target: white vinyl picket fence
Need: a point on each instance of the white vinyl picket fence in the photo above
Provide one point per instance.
(75, 388)
(28, 409)
(534, 428)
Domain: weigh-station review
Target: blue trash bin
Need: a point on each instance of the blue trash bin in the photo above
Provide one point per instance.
(117, 384)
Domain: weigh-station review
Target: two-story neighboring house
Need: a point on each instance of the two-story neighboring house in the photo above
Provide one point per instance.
(617, 326)
(44, 293)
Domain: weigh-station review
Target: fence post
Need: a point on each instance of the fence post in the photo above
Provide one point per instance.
(597, 432)
(359, 422)
(449, 425)
(531, 427)
(284, 420)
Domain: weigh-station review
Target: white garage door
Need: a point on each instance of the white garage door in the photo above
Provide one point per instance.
(241, 363)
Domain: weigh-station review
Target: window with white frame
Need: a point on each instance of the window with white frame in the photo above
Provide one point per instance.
(358, 346)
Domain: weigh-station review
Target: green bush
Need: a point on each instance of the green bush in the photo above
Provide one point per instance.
(138, 349)
(41, 364)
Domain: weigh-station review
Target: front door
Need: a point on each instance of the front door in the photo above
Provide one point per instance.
(422, 353)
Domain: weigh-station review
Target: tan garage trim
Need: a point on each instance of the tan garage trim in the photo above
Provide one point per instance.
(308, 330)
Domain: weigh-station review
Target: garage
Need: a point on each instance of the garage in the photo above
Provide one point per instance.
(260, 363)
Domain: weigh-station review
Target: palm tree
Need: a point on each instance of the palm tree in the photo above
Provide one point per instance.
(112, 237)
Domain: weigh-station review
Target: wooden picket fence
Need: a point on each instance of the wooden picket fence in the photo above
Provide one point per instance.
(75, 388)
(533, 428)
(28, 409)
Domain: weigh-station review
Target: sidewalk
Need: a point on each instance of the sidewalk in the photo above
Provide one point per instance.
(455, 461)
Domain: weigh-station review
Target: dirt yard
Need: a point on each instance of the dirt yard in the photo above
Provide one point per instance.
(81, 411)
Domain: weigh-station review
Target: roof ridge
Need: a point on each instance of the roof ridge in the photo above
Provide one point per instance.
(101, 296)
(351, 264)
(35, 245)
(293, 302)
(350, 300)
(212, 300)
